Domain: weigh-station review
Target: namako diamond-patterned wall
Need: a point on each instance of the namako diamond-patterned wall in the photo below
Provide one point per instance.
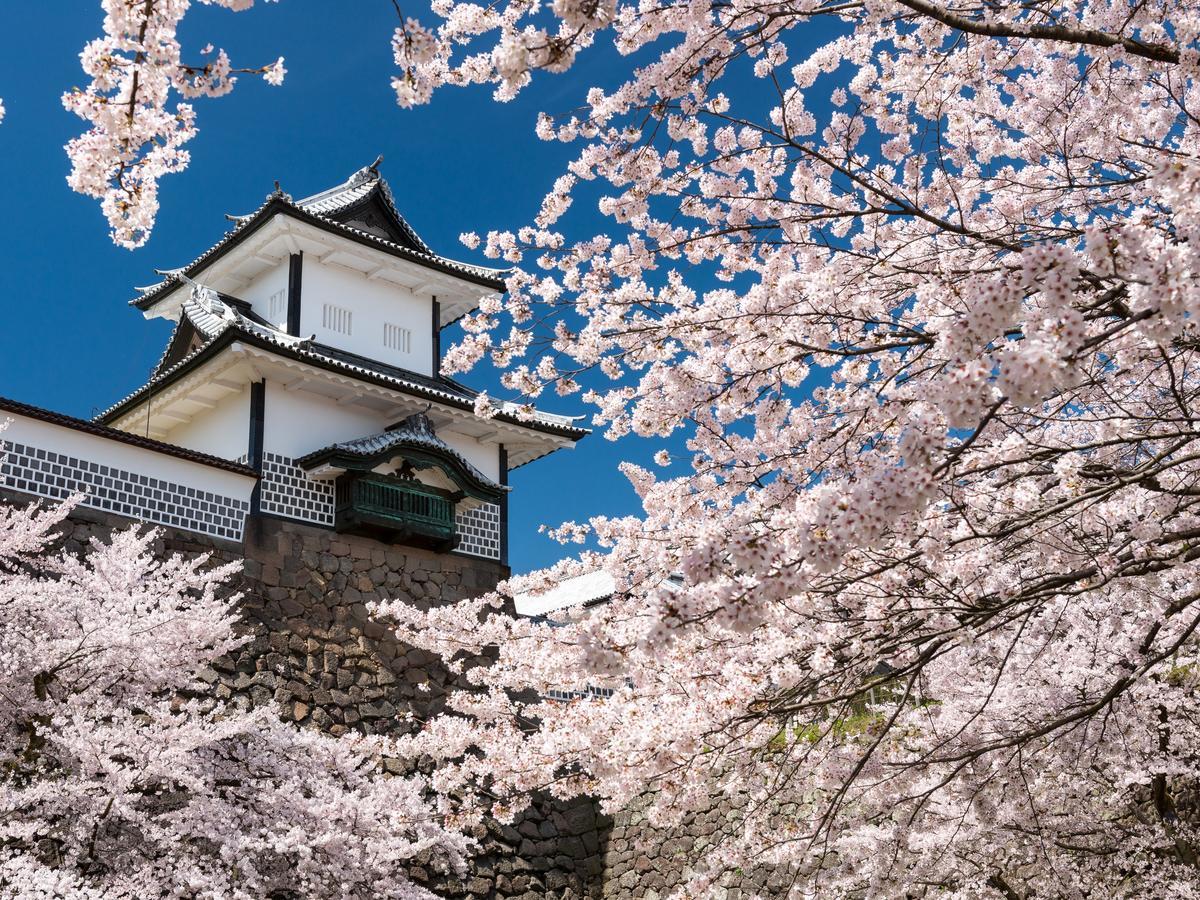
(288, 491)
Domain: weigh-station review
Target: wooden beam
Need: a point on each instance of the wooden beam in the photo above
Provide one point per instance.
(254, 440)
(295, 273)
(289, 239)
(504, 506)
(437, 335)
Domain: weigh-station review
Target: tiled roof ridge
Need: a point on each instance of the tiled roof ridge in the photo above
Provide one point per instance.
(241, 223)
(95, 428)
(167, 350)
(171, 277)
(210, 323)
(393, 437)
(471, 268)
(367, 175)
(386, 190)
(312, 354)
(433, 382)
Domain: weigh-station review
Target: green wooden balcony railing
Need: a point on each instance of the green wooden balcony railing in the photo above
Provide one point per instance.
(407, 511)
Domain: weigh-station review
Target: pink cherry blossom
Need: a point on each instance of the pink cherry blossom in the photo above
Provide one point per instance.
(916, 286)
(121, 775)
(135, 135)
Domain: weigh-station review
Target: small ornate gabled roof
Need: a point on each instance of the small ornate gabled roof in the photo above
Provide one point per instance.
(334, 210)
(207, 313)
(211, 313)
(414, 433)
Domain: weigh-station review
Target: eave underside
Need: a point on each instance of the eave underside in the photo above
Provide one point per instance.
(201, 382)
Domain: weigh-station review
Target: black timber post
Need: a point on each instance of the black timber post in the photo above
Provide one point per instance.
(295, 270)
(504, 506)
(254, 452)
(437, 336)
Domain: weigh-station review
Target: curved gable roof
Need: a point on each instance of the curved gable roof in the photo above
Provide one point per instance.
(415, 440)
(357, 198)
(345, 210)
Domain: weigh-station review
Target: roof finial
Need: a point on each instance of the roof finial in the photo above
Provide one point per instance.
(278, 190)
(374, 167)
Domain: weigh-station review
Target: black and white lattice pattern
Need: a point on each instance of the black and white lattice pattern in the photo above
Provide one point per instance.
(288, 491)
(479, 530)
(33, 470)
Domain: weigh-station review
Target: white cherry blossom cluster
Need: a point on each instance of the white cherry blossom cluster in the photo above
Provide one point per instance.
(922, 591)
(136, 133)
(121, 775)
(922, 599)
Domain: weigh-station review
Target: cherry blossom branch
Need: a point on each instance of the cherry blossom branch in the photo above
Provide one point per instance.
(1065, 34)
(134, 138)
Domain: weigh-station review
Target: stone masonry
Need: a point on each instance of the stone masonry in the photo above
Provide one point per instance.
(315, 652)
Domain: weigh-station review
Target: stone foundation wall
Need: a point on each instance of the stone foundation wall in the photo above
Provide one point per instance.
(317, 654)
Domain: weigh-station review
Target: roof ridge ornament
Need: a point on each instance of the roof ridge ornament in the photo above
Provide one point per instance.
(210, 301)
(416, 423)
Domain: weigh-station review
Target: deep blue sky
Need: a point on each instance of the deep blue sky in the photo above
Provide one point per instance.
(68, 341)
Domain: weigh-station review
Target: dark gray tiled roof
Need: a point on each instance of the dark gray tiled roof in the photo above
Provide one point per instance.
(355, 189)
(441, 384)
(322, 209)
(210, 315)
(214, 320)
(415, 430)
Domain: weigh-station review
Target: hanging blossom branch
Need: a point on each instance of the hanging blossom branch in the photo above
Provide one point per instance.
(135, 138)
(923, 306)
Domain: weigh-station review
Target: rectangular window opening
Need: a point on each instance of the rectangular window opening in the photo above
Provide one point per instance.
(277, 306)
(335, 318)
(396, 337)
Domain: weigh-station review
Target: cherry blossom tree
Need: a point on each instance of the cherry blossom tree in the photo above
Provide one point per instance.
(121, 775)
(135, 135)
(914, 283)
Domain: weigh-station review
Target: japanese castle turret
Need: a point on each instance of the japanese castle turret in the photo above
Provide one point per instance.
(302, 382)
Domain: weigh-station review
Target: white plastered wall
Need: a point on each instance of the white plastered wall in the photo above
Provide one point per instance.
(373, 305)
(117, 454)
(484, 457)
(223, 431)
(268, 295)
(55, 461)
(299, 422)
